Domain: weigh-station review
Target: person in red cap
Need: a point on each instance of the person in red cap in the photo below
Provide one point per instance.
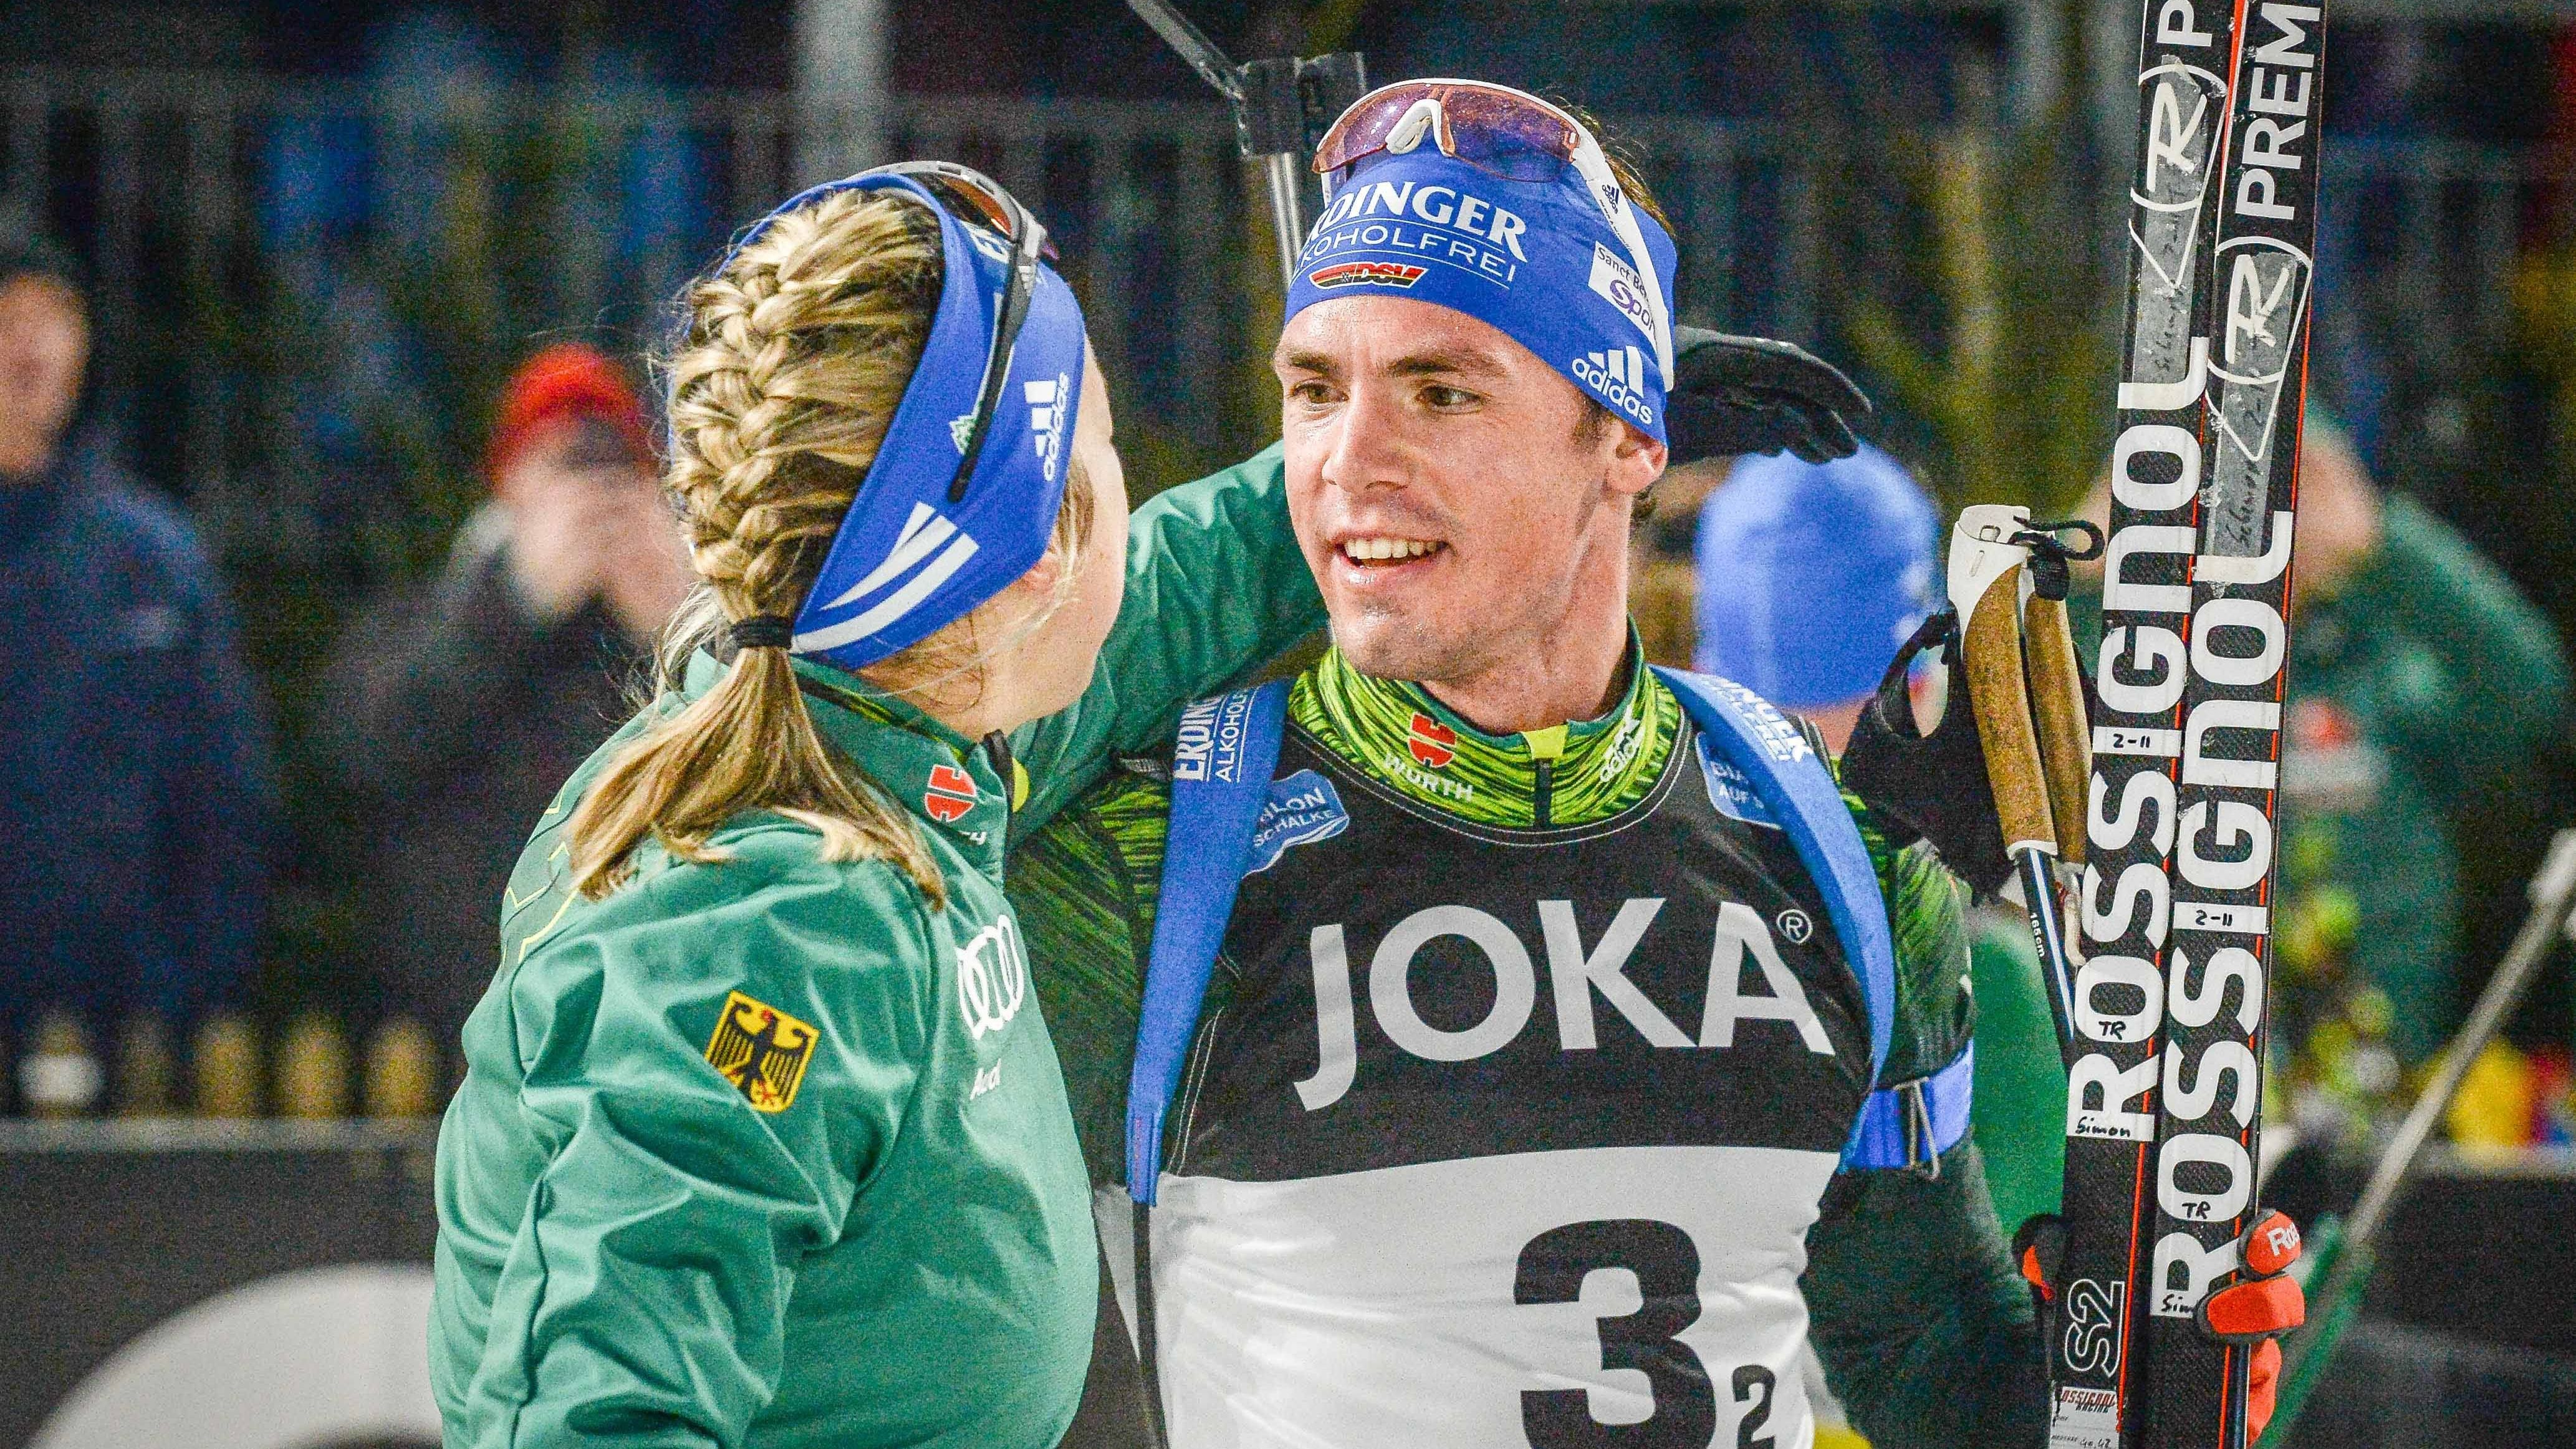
(455, 708)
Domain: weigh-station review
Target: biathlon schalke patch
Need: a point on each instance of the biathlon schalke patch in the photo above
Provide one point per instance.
(1302, 809)
(762, 1051)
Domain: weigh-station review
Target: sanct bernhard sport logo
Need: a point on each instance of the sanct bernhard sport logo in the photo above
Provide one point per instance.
(1352, 274)
(1619, 375)
(1617, 283)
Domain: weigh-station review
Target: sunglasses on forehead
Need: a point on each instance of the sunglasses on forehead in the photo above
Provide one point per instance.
(1503, 132)
(978, 201)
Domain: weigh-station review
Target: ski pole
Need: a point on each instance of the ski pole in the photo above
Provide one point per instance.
(1987, 561)
(2553, 893)
(1280, 106)
(2058, 705)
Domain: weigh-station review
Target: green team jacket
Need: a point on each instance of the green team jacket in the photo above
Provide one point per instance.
(1924, 1330)
(773, 1153)
(2021, 1077)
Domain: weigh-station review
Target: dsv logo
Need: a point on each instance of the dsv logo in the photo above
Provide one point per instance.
(992, 977)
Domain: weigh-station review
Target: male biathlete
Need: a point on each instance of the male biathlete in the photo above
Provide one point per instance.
(1498, 1060)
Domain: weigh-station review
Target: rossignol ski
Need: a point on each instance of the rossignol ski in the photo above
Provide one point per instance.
(2166, 1066)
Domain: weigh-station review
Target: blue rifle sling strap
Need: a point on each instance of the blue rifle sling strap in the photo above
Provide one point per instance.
(1222, 761)
(1912, 1123)
(1793, 781)
(1221, 769)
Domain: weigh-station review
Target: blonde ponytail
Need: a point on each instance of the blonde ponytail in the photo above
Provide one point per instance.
(794, 359)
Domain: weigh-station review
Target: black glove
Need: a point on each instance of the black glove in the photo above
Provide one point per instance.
(1753, 395)
(1929, 788)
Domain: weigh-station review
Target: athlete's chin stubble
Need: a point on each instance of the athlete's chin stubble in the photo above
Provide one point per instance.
(1385, 645)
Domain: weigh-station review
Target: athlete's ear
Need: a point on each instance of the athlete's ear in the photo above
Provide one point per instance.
(1636, 460)
(1037, 587)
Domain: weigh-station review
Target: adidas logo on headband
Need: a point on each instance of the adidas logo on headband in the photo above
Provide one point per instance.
(1620, 376)
(1047, 398)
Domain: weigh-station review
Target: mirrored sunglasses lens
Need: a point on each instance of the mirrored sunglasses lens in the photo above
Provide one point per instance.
(1507, 135)
(994, 211)
(1511, 160)
(973, 201)
(1363, 131)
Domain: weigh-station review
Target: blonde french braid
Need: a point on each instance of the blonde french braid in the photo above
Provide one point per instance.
(795, 356)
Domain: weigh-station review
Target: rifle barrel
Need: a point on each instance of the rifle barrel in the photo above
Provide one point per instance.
(1193, 45)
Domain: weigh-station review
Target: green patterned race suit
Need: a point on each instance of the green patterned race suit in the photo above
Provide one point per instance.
(1923, 1328)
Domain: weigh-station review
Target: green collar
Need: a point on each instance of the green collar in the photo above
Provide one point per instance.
(1564, 775)
(936, 774)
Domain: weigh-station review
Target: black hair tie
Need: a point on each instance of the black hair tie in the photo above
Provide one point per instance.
(764, 631)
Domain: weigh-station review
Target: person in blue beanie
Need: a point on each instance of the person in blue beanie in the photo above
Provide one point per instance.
(1810, 578)
(134, 763)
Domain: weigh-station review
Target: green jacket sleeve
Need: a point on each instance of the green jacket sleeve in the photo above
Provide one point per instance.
(1927, 915)
(644, 1297)
(1922, 1326)
(1215, 588)
(2021, 1078)
(2501, 665)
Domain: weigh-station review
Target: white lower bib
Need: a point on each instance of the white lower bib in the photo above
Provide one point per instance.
(1474, 1303)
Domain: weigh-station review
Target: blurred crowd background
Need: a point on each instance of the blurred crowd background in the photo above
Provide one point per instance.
(331, 542)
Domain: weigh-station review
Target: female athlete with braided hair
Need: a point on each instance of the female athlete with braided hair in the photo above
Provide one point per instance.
(763, 1139)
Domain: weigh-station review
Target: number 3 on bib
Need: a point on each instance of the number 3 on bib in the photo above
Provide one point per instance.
(1666, 1264)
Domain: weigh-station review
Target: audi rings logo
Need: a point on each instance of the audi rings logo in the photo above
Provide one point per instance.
(992, 977)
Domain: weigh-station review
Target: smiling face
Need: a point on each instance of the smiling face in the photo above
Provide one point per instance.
(1464, 508)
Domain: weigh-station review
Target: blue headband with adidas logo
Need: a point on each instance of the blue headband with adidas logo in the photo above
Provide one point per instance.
(1536, 259)
(908, 559)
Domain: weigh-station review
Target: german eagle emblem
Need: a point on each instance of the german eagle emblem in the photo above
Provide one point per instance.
(762, 1051)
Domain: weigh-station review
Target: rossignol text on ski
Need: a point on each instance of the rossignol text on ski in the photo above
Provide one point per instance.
(2169, 1006)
